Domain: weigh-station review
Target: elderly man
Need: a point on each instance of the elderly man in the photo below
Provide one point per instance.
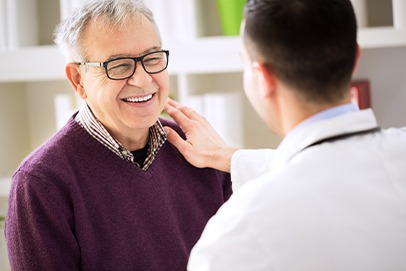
(107, 191)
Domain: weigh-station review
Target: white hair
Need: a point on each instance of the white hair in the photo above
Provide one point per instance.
(69, 33)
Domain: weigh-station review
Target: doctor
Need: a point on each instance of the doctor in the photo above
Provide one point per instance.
(332, 196)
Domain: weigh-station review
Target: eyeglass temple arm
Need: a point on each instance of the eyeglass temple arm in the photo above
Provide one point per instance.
(94, 64)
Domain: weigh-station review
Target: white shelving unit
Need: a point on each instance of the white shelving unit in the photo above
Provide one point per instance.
(201, 61)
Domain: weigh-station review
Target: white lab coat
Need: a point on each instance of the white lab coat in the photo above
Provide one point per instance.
(339, 205)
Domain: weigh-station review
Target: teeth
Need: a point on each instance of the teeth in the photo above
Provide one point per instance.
(138, 99)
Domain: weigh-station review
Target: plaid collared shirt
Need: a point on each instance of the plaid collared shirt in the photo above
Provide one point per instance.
(89, 122)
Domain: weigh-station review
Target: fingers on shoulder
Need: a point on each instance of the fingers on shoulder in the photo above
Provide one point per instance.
(181, 109)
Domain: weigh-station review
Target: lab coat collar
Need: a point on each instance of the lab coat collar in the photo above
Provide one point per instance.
(351, 122)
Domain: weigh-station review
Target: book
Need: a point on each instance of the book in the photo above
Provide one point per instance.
(63, 109)
(360, 93)
(175, 18)
(22, 23)
(224, 112)
(67, 6)
(3, 25)
(399, 12)
(361, 12)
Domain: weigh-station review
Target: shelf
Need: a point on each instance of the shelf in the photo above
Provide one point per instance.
(32, 64)
(46, 63)
(381, 37)
(202, 55)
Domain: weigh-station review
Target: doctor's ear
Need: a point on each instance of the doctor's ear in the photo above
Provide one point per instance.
(266, 79)
(73, 73)
(357, 58)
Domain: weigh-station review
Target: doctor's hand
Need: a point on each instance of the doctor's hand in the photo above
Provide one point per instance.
(203, 146)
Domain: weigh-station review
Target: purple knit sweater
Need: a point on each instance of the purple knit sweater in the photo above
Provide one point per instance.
(75, 205)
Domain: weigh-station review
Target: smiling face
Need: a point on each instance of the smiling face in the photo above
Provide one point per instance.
(127, 108)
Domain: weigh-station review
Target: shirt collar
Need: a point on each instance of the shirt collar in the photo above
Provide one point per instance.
(95, 128)
(324, 115)
(331, 122)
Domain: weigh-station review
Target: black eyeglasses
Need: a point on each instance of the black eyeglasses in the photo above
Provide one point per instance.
(124, 67)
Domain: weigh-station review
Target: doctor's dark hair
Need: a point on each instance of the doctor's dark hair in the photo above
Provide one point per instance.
(311, 45)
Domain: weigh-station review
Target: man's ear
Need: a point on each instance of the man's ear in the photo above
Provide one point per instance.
(266, 79)
(357, 57)
(72, 71)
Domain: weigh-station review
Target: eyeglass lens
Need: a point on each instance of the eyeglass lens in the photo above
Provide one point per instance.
(124, 68)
